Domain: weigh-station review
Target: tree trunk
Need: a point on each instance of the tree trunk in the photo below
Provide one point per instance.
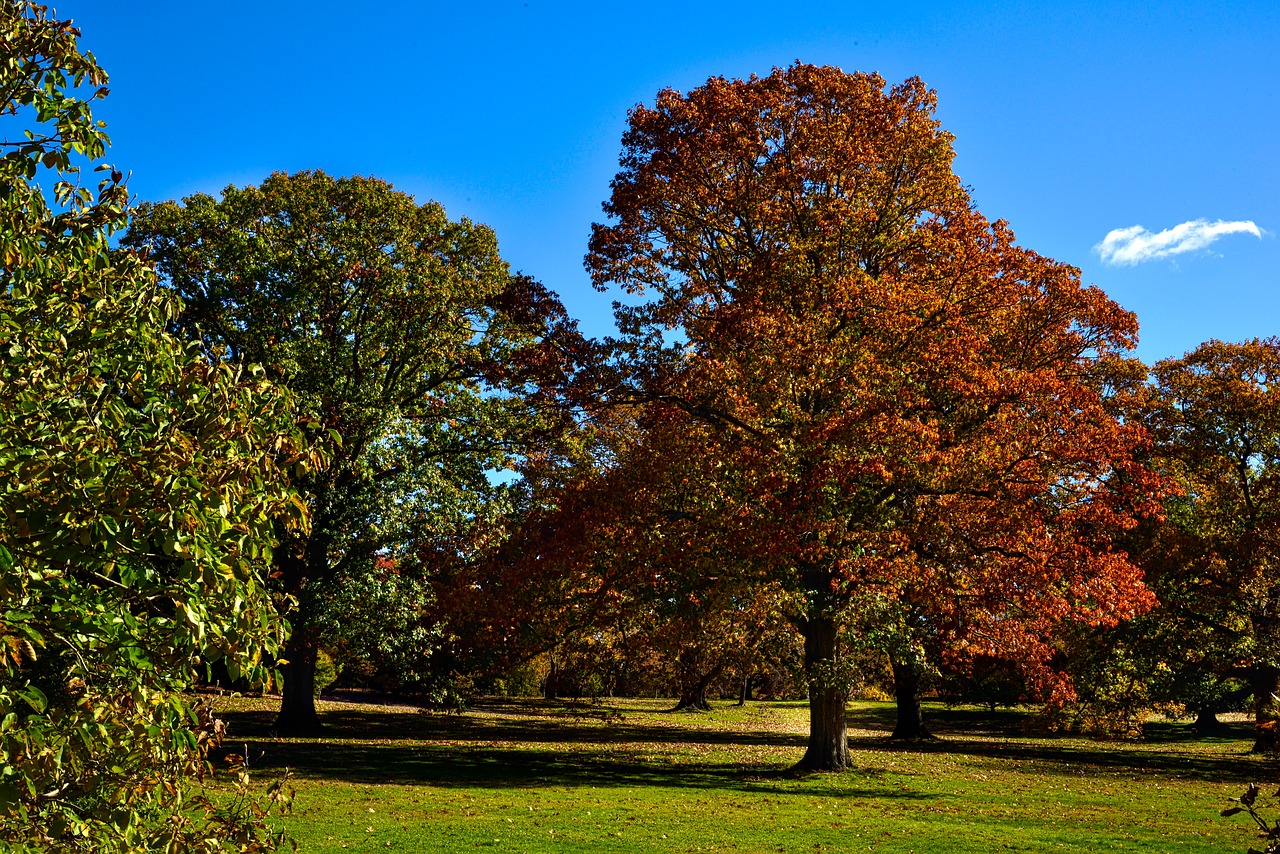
(1266, 715)
(300, 564)
(550, 685)
(828, 748)
(906, 689)
(1206, 722)
(298, 701)
(694, 697)
(694, 682)
(745, 694)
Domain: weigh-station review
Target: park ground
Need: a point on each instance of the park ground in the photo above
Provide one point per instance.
(526, 775)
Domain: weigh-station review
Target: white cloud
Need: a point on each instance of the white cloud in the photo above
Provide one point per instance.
(1133, 245)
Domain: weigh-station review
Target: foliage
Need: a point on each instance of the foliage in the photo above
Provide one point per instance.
(403, 336)
(381, 627)
(615, 569)
(1211, 558)
(142, 488)
(1116, 690)
(899, 399)
(1215, 414)
(327, 672)
(1267, 831)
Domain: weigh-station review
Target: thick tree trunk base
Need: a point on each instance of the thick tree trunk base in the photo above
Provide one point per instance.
(912, 733)
(693, 705)
(694, 699)
(298, 716)
(693, 692)
(828, 748)
(301, 721)
(823, 762)
(828, 752)
(1207, 723)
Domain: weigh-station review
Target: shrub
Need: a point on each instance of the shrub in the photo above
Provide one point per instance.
(1268, 831)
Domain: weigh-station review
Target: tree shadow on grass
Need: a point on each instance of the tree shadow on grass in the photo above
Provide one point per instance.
(485, 766)
(1071, 760)
(1024, 722)
(514, 744)
(1167, 748)
(557, 724)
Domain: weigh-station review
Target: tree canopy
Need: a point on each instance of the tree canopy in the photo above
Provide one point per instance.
(1215, 414)
(910, 400)
(846, 418)
(413, 352)
(143, 489)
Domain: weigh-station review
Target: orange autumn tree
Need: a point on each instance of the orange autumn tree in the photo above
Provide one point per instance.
(615, 565)
(699, 602)
(906, 399)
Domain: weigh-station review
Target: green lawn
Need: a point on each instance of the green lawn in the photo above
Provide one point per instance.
(530, 775)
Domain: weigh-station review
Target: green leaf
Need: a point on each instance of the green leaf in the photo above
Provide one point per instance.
(34, 698)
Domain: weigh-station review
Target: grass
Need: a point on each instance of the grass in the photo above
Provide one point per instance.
(534, 776)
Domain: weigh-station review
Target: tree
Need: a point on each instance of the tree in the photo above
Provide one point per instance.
(659, 515)
(381, 625)
(901, 633)
(407, 342)
(1215, 414)
(615, 567)
(142, 487)
(905, 397)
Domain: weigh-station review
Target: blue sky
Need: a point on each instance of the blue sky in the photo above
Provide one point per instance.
(1072, 120)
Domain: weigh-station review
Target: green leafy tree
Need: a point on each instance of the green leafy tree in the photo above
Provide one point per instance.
(382, 625)
(1215, 414)
(1211, 559)
(141, 491)
(420, 359)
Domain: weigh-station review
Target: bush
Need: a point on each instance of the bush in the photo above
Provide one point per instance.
(1269, 831)
(872, 694)
(327, 671)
